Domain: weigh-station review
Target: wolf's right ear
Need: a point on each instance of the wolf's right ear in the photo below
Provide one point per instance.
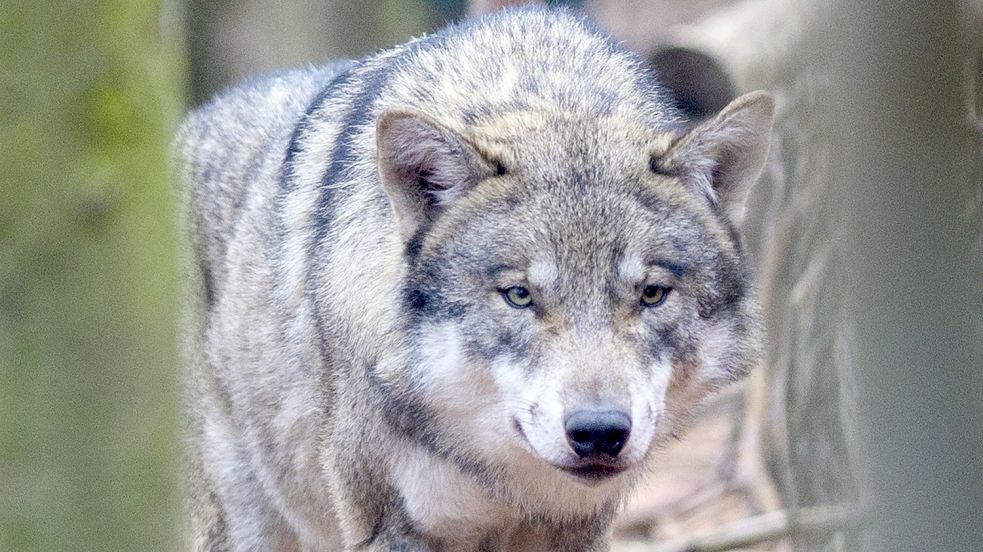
(423, 166)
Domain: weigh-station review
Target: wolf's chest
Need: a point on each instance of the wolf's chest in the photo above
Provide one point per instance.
(444, 503)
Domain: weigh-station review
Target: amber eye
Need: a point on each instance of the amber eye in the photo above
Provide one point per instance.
(653, 296)
(517, 296)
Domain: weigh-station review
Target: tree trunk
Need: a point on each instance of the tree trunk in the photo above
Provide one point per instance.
(908, 186)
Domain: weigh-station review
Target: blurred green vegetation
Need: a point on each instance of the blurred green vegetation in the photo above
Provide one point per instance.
(91, 93)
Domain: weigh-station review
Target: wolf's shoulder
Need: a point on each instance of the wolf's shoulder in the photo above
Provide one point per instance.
(227, 150)
(220, 140)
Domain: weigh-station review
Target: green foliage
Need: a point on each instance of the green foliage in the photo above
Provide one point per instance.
(88, 374)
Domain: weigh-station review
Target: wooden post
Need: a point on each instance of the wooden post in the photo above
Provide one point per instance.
(907, 183)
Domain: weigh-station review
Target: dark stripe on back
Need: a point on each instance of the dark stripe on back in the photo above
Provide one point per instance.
(343, 157)
(286, 182)
(304, 124)
(208, 282)
(358, 115)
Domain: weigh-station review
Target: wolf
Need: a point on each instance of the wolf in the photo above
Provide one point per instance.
(453, 296)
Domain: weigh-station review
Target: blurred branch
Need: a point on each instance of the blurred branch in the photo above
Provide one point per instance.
(766, 527)
(641, 521)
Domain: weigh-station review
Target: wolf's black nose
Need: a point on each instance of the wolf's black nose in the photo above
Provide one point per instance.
(602, 432)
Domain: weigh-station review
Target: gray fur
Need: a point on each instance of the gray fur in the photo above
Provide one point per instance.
(357, 381)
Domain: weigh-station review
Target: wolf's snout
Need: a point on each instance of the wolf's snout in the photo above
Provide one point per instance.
(597, 432)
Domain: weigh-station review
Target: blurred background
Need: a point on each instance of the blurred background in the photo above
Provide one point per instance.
(862, 430)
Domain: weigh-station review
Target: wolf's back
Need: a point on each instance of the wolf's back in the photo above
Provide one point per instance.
(223, 147)
(228, 155)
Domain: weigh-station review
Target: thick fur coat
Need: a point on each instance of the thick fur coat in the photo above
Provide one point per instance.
(454, 295)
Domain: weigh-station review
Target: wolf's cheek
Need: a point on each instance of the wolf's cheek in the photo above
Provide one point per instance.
(697, 375)
(457, 388)
(648, 399)
(720, 359)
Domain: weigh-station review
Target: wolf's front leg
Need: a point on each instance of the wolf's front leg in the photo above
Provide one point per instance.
(394, 543)
(385, 535)
(589, 536)
(371, 516)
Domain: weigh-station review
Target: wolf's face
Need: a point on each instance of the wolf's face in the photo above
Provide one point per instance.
(574, 288)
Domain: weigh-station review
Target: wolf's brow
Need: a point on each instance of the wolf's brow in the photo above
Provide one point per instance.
(676, 269)
(495, 270)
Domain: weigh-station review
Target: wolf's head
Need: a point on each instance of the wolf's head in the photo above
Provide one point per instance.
(574, 285)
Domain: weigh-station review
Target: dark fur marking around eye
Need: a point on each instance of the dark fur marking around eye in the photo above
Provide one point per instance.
(676, 269)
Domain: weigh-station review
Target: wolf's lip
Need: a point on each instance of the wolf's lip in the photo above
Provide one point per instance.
(593, 472)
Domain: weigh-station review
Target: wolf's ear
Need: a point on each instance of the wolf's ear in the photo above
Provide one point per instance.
(723, 156)
(423, 166)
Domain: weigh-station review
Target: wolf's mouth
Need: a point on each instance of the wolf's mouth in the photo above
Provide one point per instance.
(594, 472)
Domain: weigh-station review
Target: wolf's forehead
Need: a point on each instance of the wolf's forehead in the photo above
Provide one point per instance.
(545, 272)
(514, 123)
(553, 142)
(597, 232)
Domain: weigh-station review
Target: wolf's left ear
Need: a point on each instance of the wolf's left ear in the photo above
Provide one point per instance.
(723, 157)
(423, 166)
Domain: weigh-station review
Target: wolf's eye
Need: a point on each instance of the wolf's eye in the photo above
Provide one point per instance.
(653, 296)
(517, 296)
